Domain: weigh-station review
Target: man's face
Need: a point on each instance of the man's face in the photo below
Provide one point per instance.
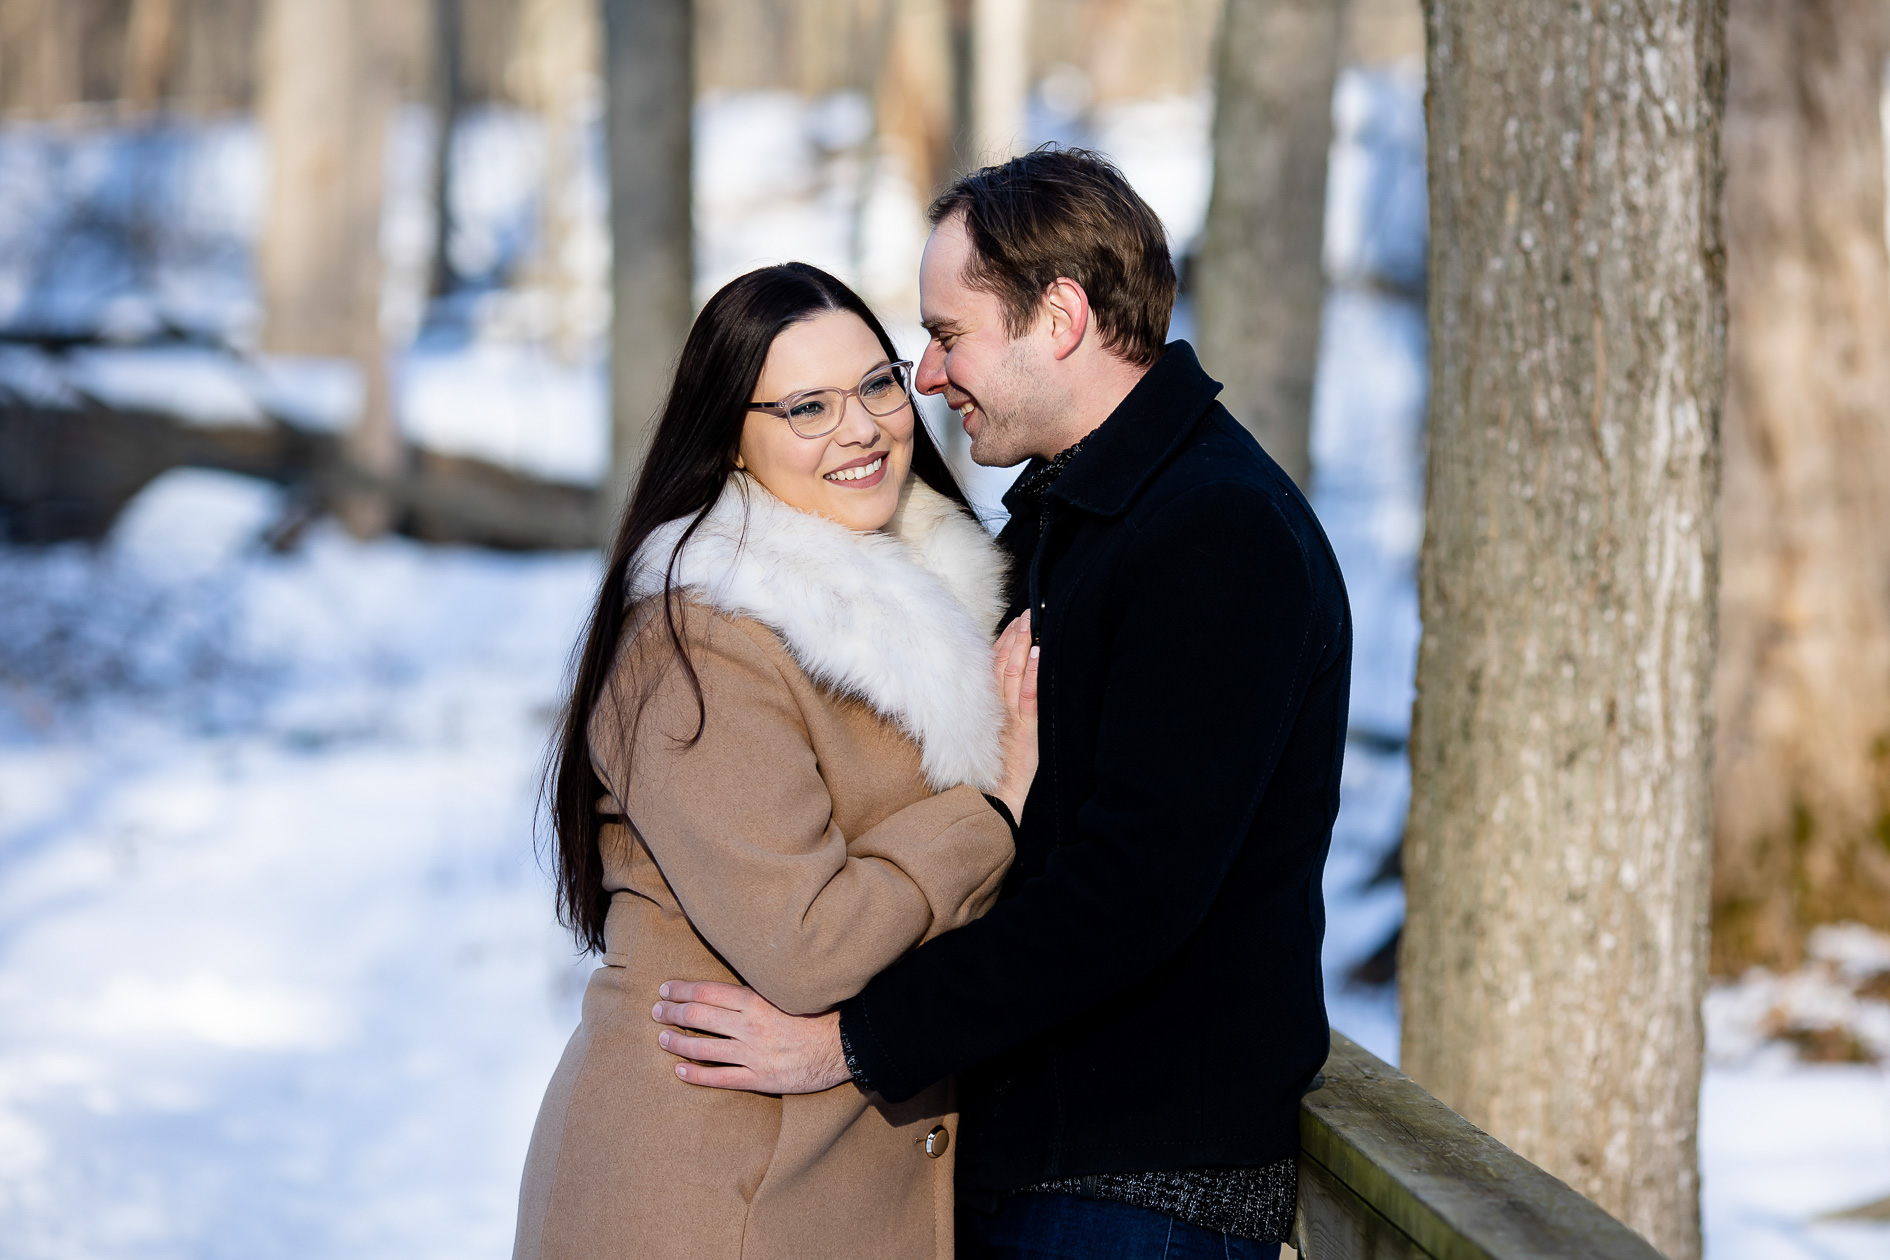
(1001, 388)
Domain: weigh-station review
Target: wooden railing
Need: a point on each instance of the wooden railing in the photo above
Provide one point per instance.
(1387, 1172)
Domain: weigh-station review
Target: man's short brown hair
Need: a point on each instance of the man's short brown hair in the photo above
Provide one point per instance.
(1067, 213)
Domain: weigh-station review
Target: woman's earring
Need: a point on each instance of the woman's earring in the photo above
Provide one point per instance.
(739, 465)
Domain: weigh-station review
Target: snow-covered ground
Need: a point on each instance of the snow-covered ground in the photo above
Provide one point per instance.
(277, 970)
(278, 975)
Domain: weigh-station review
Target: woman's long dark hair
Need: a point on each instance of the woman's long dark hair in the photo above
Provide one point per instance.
(687, 468)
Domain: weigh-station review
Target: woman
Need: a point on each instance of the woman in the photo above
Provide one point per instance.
(773, 771)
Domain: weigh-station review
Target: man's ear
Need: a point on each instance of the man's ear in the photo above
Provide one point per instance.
(1066, 308)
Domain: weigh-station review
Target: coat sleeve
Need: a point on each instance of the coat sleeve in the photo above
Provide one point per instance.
(741, 825)
(1219, 630)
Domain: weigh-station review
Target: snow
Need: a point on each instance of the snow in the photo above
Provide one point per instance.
(1367, 446)
(278, 974)
(129, 230)
(1784, 1145)
(193, 522)
(321, 395)
(1164, 149)
(277, 971)
(199, 386)
(514, 404)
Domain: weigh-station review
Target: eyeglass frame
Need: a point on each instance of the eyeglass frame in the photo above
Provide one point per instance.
(780, 410)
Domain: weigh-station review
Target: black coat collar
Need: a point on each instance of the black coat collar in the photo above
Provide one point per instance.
(1127, 449)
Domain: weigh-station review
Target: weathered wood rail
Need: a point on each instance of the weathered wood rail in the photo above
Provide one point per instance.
(1387, 1172)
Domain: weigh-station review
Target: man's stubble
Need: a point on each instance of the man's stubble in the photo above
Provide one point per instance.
(1019, 412)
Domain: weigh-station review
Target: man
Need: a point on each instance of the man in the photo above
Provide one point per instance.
(1136, 1019)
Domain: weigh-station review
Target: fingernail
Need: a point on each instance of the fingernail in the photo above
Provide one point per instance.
(662, 1039)
(1035, 652)
(656, 1012)
(662, 990)
(682, 1071)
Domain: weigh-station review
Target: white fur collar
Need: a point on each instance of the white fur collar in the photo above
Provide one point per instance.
(900, 618)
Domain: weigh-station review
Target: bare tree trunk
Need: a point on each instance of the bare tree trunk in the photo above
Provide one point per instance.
(1258, 286)
(148, 53)
(1557, 856)
(448, 98)
(912, 98)
(1000, 68)
(329, 87)
(1382, 32)
(649, 92)
(214, 62)
(557, 74)
(1140, 50)
(960, 44)
(47, 68)
(1802, 787)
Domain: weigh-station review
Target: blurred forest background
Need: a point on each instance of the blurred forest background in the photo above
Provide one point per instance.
(330, 331)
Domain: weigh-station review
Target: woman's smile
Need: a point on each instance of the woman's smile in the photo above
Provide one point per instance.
(864, 472)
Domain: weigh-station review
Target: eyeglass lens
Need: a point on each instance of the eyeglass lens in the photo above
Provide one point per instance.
(882, 391)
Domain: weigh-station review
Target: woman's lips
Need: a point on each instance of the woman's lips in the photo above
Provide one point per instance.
(860, 476)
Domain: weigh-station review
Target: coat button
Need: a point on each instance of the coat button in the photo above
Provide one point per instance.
(937, 1140)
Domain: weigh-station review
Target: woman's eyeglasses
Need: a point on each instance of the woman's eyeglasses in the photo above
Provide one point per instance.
(815, 413)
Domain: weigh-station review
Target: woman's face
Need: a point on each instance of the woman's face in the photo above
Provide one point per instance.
(852, 475)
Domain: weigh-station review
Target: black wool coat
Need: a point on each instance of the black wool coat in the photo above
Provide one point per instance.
(1146, 994)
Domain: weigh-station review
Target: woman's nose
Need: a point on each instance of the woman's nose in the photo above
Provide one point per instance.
(858, 426)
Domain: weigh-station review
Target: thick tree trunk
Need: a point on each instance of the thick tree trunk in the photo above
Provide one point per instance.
(649, 91)
(556, 74)
(142, 54)
(329, 85)
(1802, 785)
(913, 94)
(149, 42)
(214, 63)
(1383, 32)
(1257, 281)
(1556, 861)
(1000, 66)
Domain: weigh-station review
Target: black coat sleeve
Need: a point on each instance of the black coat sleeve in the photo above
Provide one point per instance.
(1217, 628)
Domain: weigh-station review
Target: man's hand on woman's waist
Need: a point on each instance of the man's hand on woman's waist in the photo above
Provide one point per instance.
(756, 1046)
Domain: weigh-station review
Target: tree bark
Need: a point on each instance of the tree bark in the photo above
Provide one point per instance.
(913, 94)
(329, 85)
(1257, 282)
(449, 97)
(214, 63)
(149, 42)
(649, 88)
(1000, 67)
(1802, 787)
(556, 74)
(1556, 861)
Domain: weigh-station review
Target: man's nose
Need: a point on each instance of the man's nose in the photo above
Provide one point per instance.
(930, 378)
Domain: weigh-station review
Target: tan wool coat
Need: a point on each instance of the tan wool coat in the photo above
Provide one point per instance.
(829, 819)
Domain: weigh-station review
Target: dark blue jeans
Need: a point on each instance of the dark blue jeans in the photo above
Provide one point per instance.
(1064, 1227)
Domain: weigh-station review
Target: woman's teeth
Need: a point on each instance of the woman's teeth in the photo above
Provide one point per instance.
(854, 474)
